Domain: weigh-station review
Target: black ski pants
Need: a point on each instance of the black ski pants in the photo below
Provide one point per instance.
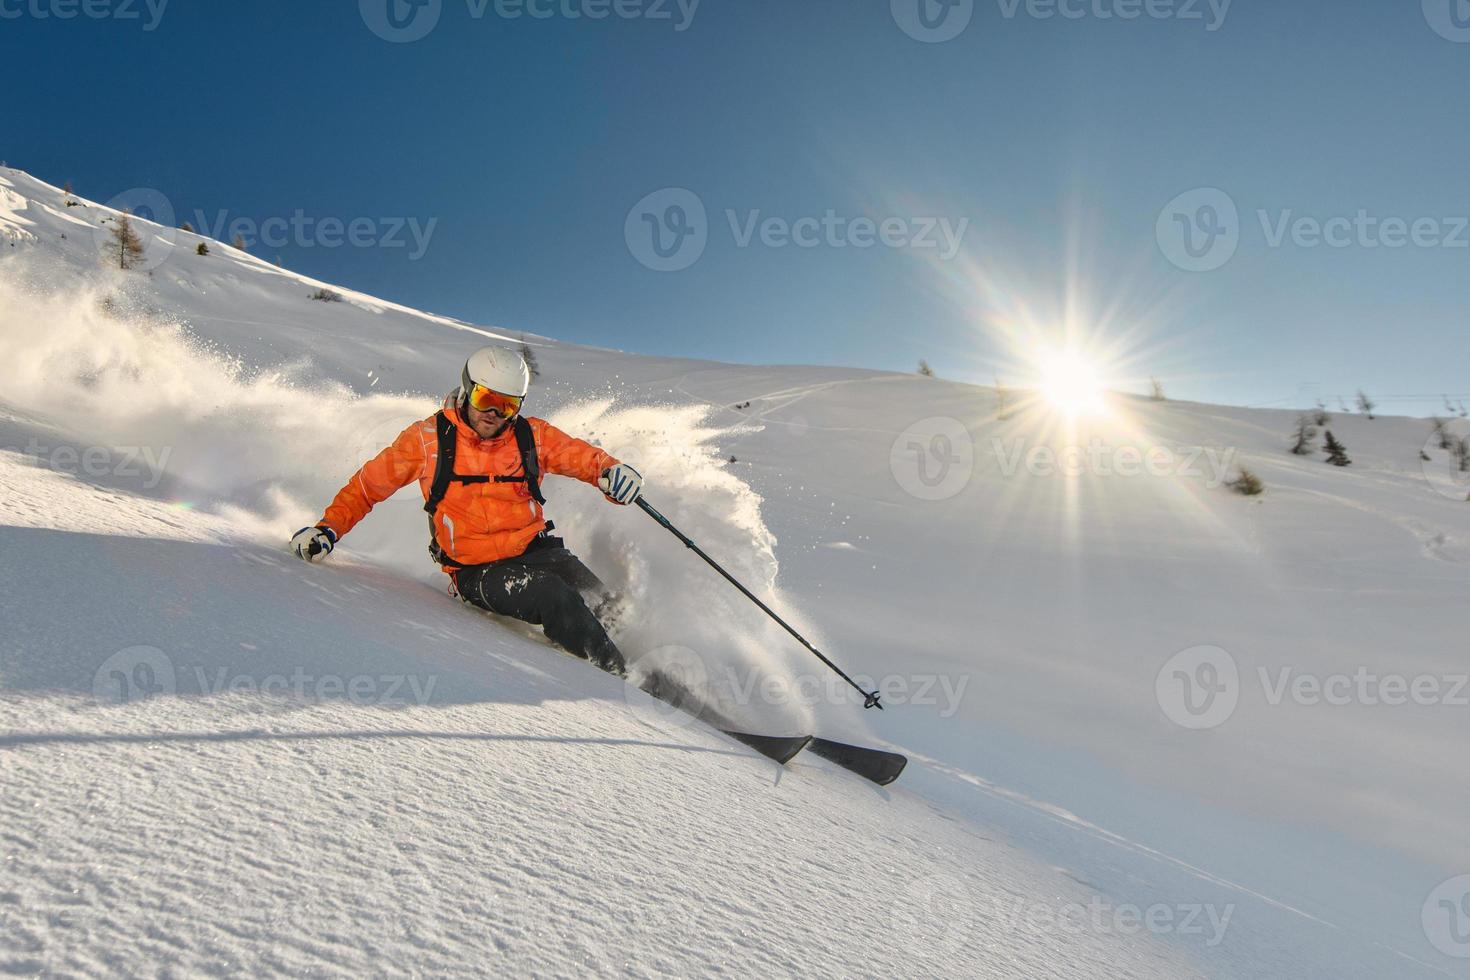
(546, 586)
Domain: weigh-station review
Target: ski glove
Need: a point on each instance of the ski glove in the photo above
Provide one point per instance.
(314, 543)
(621, 483)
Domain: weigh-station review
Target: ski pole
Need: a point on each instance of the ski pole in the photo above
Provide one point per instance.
(870, 700)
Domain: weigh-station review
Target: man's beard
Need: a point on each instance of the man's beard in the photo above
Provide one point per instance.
(498, 429)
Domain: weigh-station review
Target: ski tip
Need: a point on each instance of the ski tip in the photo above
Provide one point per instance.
(896, 769)
(874, 765)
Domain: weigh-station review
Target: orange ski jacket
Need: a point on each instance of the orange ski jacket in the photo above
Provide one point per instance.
(476, 522)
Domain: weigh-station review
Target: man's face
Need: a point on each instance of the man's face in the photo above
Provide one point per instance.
(487, 425)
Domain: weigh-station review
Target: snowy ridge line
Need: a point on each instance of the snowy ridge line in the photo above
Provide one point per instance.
(269, 268)
(307, 326)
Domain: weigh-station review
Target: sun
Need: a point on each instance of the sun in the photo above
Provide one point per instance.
(1071, 384)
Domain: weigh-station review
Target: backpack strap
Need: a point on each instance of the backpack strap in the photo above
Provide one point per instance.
(444, 469)
(530, 462)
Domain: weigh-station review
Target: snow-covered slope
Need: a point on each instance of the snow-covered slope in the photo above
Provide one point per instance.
(341, 769)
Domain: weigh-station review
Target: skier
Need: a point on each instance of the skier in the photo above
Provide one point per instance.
(478, 462)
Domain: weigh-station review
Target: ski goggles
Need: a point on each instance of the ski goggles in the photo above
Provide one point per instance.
(488, 400)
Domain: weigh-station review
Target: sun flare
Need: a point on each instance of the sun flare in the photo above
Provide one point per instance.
(1070, 383)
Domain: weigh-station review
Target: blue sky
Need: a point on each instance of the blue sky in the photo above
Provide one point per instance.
(1054, 143)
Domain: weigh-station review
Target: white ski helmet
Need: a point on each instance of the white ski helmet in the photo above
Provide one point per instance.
(497, 368)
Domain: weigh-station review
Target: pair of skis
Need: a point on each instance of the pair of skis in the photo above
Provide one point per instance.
(875, 765)
(872, 764)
